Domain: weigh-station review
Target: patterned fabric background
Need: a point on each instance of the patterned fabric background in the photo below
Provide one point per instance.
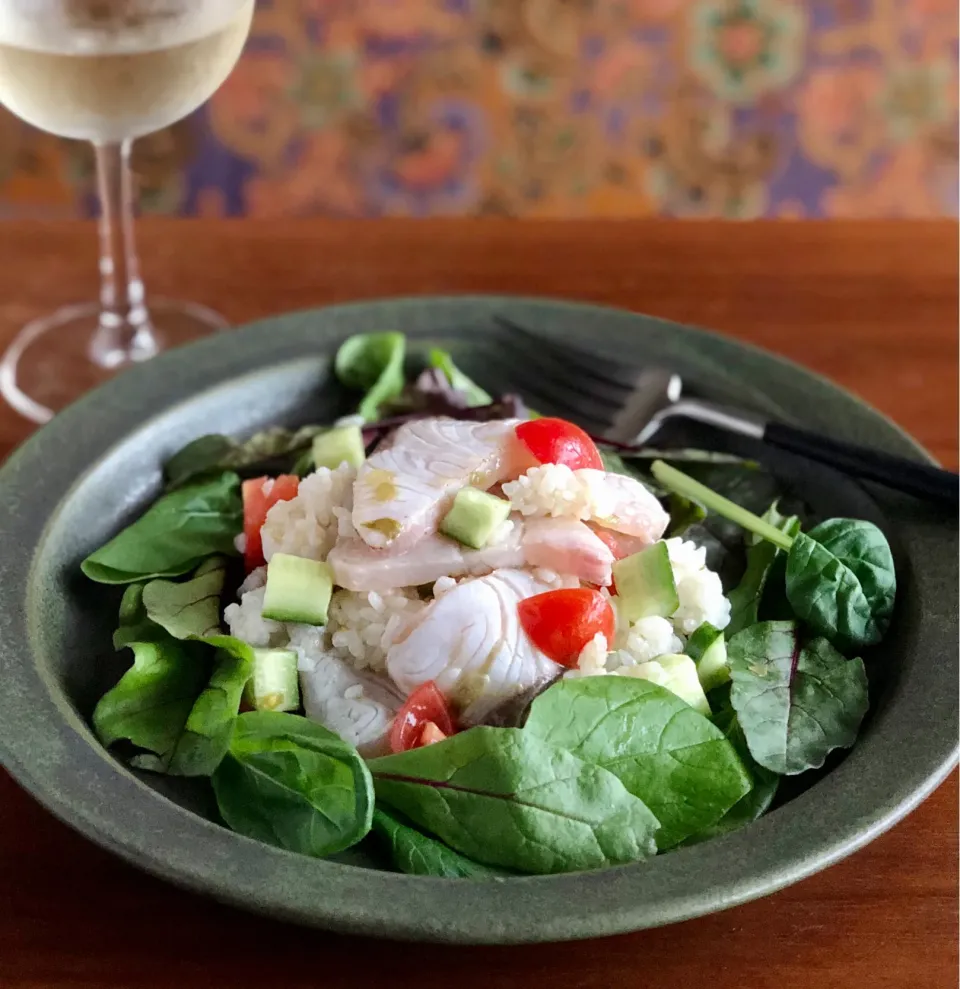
(564, 108)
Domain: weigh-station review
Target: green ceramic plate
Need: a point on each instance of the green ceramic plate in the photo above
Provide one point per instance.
(98, 464)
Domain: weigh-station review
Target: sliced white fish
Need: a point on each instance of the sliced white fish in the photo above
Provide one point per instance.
(562, 545)
(359, 707)
(568, 547)
(358, 567)
(623, 504)
(406, 487)
(470, 642)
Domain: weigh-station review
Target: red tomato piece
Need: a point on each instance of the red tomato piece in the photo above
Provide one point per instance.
(560, 623)
(424, 706)
(556, 441)
(260, 495)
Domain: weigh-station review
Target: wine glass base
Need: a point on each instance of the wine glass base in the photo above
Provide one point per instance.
(53, 360)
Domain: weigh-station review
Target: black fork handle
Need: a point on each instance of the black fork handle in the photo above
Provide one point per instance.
(922, 480)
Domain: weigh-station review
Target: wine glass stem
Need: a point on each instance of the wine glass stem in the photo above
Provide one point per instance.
(124, 333)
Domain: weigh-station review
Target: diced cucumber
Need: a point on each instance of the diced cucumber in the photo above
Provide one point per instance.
(340, 445)
(708, 649)
(298, 590)
(645, 584)
(275, 683)
(474, 517)
(678, 674)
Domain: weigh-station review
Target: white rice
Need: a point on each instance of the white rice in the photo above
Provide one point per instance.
(699, 589)
(552, 490)
(309, 524)
(647, 639)
(363, 627)
(246, 622)
(593, 658)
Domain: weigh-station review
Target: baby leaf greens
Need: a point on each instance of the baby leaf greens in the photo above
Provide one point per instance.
(372, 363)
(504, 797)
(660, 748)
(418, 854)
(757, 802)
(290, 782)
(271, 451)
(150, 704)
(745, 598)
(795, 702)
(190, 608)
(839, 577)
(209, 726)
(473, 394)
(174, 535)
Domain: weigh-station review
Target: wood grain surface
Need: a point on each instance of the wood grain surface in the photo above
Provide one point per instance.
(872, 305)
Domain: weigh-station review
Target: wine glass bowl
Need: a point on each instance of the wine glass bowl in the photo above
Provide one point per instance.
(109, 71)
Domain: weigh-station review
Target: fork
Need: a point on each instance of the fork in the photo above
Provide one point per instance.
(625, 405)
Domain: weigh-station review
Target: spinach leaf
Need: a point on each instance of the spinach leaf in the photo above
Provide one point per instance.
(292, 783)
(271, 451)
(474, 394)
(795, 703)
(417, 854)
(662, 750)
(840, 576)
(201, 456)
(372, 362)
(188, 609)
(150, 703)
(210, 724)
(765, 783)
(745, 598)
(177, 533)
(504, 797)
(841, 579)
(135, 626)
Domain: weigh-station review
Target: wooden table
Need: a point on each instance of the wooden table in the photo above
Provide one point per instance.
(872, 305)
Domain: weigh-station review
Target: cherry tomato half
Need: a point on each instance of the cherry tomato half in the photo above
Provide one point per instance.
(560, 623)
(260, 495)
(410, 727)
(556, 441)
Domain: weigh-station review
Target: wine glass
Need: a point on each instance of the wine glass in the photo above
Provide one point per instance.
(109, 71)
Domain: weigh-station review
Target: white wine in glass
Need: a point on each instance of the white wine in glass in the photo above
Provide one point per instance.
(109, 71)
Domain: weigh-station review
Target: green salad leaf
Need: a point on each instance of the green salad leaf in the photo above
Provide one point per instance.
(135, 625)
(475, 395)
(765, 783)
(841, 580)
(662, 750)
(840, 576)
(373, 363)
(190, 608)
(209, 727)
(201, 456)
(177, 533)
(292, 783)
(505, 798)
(150, 704)
(271, 451)
(746, 597)
(796, 703)
(418, 854)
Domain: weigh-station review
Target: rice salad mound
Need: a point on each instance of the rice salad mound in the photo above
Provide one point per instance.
(461, 631)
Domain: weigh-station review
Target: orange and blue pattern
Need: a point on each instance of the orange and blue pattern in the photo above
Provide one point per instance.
(551, 108)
